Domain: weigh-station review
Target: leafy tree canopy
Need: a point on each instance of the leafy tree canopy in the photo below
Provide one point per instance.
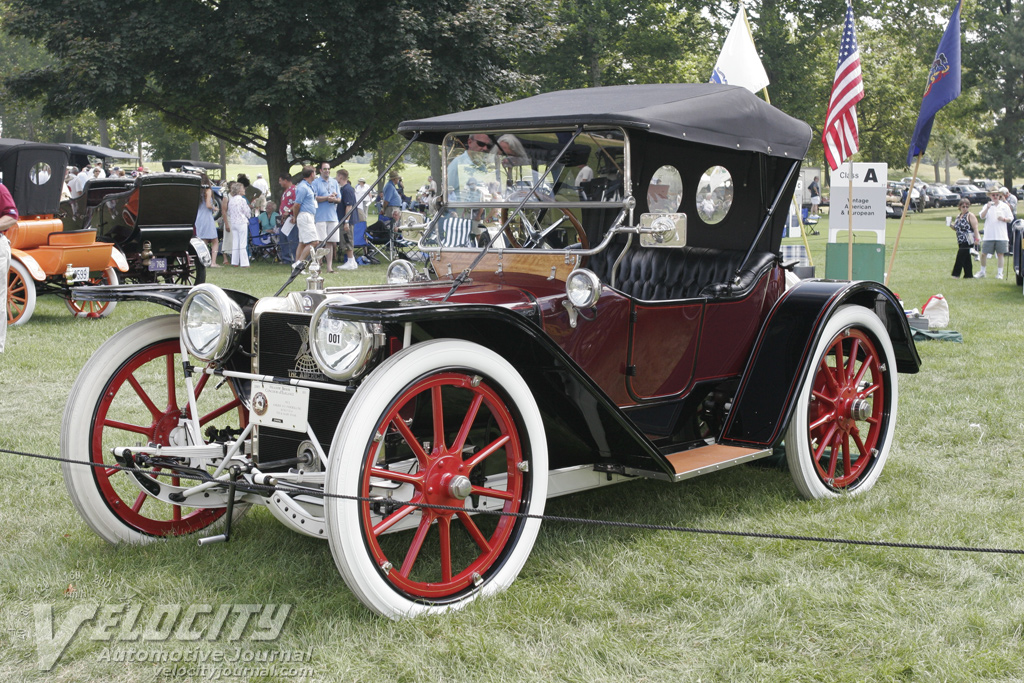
(348, 70)
(305, 82)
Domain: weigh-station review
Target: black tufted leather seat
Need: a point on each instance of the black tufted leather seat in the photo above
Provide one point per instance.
(650, 274)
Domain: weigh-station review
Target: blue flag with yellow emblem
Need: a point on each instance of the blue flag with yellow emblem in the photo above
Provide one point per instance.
(943, 85)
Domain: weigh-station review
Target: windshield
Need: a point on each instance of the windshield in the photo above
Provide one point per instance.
(488, 174)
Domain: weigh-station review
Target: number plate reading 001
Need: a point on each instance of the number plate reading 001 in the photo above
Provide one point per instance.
(279, 405)
(157, 265)
(78, 275)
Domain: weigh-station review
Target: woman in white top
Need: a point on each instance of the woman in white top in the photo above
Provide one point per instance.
(237, 224)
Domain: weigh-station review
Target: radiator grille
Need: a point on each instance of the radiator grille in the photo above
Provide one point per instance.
(280, 352)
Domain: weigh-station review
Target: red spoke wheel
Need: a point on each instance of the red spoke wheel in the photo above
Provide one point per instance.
(449, 424)
(21, 294)
(132, 392)
(95, 309)
(842, 427)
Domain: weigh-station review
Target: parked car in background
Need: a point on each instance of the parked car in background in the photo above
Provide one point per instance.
(893, 199)
(971, 192)
(986, 184)
(48, 257)
(898, 189)
(939, 195)
(565, 342)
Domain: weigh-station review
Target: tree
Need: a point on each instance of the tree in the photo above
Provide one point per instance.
(24, 119)
(274, 91)
(612, 42)
(994, 66)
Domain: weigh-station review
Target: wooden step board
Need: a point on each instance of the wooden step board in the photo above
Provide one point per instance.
(698, 461)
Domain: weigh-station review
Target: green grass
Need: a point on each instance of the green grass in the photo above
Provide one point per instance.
(595, 603)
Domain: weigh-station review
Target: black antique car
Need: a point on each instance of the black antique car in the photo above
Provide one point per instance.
(150, 219)
(616, 310)
(1016, 237)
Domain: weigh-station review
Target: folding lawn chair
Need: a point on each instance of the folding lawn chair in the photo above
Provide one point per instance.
(262, 246)
(388, 245)
(359, 242)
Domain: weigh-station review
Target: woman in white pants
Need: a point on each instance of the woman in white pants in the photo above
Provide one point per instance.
(238, 224)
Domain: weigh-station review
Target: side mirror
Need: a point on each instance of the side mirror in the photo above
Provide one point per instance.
(663, 230)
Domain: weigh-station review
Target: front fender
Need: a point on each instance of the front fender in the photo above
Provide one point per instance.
(30, 264)
(779, 364)
(171, 296)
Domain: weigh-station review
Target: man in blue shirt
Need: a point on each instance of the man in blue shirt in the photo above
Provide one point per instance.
(304, 211)
(328, 196)
(347, 215)
(392, 206)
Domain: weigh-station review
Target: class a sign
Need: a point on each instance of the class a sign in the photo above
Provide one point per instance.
(867, 205)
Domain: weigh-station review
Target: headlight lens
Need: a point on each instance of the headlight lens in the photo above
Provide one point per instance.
(583, 288)
(342, 348)
(401, 272)
(210, 321)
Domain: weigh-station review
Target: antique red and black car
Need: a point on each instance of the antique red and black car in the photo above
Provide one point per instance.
(616, 308)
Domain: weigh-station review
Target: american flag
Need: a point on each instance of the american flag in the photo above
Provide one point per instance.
(840, 134)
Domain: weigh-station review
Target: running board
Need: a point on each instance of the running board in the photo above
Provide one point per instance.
(703, 460)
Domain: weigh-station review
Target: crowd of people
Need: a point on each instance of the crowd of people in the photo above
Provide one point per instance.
(998, 213)
(75, 178)
(318, 211)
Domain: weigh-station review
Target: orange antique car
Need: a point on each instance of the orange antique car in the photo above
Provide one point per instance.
(45, 258)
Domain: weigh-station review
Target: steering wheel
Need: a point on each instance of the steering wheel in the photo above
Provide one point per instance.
(533, 236)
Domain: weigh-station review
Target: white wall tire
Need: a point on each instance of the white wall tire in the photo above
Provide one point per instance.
(842, 426)
(377, 568)
(105, 409)
(95, 309)
(21, 294)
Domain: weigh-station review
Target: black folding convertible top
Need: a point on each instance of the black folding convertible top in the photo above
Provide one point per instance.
(98, 151)
(720, 115)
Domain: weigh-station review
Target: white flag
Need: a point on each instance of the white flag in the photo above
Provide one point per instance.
(738, 64)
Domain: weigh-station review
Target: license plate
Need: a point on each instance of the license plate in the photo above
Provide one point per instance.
(79, 275)
(157, 265)
(279, 405)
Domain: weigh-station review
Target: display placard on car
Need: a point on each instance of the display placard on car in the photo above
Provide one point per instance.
(279, 405)
(157, 265)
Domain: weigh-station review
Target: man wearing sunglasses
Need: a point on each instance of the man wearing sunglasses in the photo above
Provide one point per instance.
(472, 161)
(997, 217)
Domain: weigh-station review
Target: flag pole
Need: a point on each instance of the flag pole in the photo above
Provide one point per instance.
(750, 32)
(899, 231)
(849, 232)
